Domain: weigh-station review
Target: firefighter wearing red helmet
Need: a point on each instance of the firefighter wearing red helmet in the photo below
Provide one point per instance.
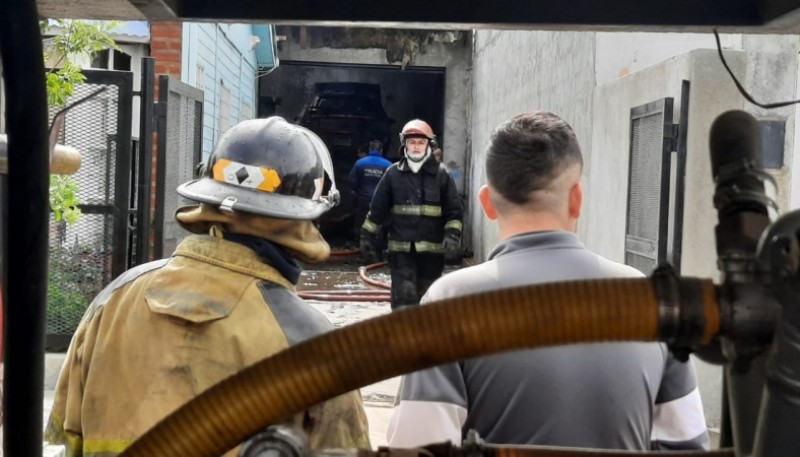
(165, 331)
(418, 202)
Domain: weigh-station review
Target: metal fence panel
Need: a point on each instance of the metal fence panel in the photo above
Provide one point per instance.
(180, 144)
(87, 255)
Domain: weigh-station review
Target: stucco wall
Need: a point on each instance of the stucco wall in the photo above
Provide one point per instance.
(515, 71)
(770, 75)
(712, 93)
(519, 71)
(620, 54)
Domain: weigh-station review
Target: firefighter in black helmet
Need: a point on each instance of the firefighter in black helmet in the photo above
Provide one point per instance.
(267, 167)
(418, 201)
(167, 330)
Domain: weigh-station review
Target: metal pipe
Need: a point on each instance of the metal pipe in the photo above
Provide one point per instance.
(28, 200)
(780, 415)
(145, 160)
(744, 391)
(776, 432)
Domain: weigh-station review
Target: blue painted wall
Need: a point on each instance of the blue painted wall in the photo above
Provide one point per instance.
(217, 59)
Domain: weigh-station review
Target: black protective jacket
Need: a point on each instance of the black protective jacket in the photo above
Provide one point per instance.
(417, 207)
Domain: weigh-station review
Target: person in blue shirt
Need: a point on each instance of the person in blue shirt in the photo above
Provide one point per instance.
(364, 178)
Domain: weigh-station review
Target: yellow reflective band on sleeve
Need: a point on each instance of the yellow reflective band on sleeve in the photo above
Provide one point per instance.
(454, 224)
(105, 446)
(55, 434)
(417, 210)
(370, 226)
(428, 246)
(243, 175)
(398, 246)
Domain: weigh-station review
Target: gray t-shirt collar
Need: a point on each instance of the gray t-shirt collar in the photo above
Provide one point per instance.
(550, 239)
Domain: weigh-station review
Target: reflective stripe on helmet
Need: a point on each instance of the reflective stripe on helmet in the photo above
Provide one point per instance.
(249, 176)
(248, 171)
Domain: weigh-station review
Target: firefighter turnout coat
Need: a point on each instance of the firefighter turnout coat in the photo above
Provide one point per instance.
(165, 331)
(418, 207)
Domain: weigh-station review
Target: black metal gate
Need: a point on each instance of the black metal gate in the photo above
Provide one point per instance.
(180, 149)
(87, 254)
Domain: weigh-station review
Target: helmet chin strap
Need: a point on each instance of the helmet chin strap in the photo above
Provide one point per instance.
(416, 163)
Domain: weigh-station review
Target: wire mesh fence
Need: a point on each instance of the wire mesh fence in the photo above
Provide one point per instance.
(84, 252)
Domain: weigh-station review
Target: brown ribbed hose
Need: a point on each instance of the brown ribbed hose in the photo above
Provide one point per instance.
(364, 353)
(493, 450)
(546, 451)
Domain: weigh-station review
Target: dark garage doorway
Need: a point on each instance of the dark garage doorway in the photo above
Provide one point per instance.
(413, 92)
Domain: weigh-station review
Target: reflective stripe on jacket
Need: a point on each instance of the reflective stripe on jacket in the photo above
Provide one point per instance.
(165, 331)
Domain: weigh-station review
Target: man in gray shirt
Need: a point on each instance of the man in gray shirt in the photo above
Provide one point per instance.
(614, 395)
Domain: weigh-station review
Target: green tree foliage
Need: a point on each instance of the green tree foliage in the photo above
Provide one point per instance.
(76, 39)
(64, 199)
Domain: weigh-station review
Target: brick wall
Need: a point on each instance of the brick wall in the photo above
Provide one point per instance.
(165, 46)
(166, 42)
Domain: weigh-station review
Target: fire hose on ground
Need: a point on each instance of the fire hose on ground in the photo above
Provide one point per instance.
(358, 295)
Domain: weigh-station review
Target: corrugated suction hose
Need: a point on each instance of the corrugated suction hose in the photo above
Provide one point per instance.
(545, 451)
(361, 354)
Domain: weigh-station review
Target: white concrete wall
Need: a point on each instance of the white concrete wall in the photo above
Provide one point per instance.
(712, 93)
(520, 71)
(620, 54)
(770, 75)
(515, 71)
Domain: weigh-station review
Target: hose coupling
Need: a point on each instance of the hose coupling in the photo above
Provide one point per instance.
(680, 310)
(276, 441)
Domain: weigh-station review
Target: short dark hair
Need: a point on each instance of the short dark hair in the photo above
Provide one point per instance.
(375, 145)
(527, 152)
